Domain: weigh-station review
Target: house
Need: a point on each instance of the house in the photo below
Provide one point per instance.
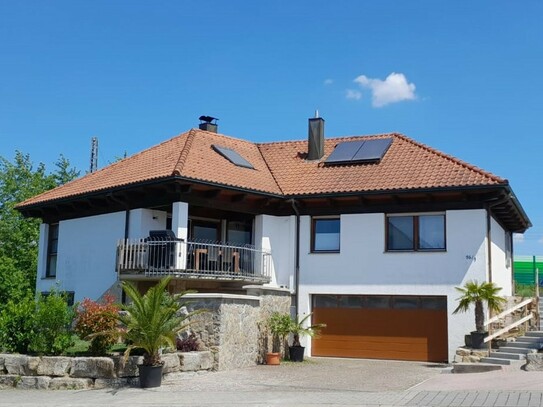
(372, 234)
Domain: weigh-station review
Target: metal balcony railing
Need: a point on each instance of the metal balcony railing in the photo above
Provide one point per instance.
(159, 257)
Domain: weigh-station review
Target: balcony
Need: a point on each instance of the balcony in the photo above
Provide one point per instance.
(146, 258)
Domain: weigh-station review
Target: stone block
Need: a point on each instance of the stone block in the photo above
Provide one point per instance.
(2, 364)
(473, 359)
(171, 363)
(534, 362)
(463, 352)
(8, 381)
(128, 368)
(206, 360)
(479, 353)
(21, 364)
(54, 366)
(97, 367)
(33, 382)
(117, 383)
(189, 361)
(69, 383)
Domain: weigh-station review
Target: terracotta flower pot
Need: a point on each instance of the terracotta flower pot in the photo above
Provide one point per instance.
(272, 358)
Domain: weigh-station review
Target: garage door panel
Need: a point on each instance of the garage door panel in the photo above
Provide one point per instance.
(403, 334)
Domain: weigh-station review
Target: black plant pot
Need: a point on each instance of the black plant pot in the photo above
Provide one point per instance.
(296, 353)
(150, 376)
(477, 339)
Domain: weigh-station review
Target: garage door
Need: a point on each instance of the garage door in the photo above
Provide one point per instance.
(381, 327)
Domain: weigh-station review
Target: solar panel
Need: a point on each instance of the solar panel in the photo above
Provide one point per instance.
(232, 156)
(344, 152)
(373, 150)
(359, 151)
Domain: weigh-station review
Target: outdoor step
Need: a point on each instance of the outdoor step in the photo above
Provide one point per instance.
(504, 355)
(525, 345)
(537, 334)
(533, 339)
(475, 367)
(512, 349)
(496, 361)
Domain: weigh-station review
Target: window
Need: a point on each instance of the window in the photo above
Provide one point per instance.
(52, 247)
(325, 235)
(415, 233)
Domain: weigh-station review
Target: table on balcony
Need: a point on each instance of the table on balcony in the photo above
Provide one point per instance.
(200, 252)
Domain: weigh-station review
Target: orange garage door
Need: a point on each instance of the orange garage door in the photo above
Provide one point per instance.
(381, 327)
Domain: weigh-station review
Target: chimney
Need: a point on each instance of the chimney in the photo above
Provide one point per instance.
(208, 123)
(315, 138)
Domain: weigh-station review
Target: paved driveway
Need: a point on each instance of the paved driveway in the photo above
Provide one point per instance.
(322, 382)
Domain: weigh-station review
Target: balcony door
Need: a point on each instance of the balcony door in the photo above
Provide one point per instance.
(205, 230)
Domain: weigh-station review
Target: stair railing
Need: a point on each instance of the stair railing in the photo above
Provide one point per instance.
(526, 315)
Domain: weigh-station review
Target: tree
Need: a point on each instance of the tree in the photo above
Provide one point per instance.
(478, 294)
(20, 180)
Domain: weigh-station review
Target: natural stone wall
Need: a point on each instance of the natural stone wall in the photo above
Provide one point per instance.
(467, 355)
(233, 327)
(61, 372)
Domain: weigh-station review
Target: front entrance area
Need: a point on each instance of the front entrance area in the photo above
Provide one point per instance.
(382, 327)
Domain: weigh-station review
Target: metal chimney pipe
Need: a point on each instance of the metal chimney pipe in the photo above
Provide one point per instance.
(315, 138)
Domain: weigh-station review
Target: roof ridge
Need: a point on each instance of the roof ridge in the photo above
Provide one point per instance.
(269, 169)
(452, 158)
(178, 167)
(267, 143)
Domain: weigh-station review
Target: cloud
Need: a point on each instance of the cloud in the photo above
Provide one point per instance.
(395, 88)
(328, 82)
(518, 238)
(353, 94)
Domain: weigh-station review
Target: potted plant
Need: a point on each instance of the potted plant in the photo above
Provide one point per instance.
(151, 322)
(479, 294)
(279, 326)
(298, 328)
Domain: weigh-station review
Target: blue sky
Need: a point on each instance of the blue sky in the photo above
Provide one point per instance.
(463, 77)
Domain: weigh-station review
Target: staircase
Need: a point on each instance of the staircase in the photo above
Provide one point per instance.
(515, 352)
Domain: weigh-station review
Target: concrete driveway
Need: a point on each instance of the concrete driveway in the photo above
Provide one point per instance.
(320, 382)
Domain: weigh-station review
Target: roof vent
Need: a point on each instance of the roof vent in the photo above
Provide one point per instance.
(208, 123)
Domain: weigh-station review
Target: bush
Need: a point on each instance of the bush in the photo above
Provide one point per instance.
(17, 323)
(525, 290)
(52, 327)
(189, 344)
(100, 320)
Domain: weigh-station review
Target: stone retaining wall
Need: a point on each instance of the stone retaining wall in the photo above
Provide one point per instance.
(62, 372)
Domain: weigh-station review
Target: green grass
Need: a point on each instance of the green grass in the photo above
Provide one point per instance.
(525, 290)
(80, 347)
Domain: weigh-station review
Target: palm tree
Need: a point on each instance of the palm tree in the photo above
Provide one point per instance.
(298, 328)
(478, 294)
(152, 320)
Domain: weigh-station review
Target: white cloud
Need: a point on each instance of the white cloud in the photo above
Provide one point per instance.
(518, 238)
(353, 94)
(328, 82)
(393, 89)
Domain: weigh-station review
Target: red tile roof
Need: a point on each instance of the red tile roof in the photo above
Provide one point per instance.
(280, 168)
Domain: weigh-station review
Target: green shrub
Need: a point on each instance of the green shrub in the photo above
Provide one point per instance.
(525, 290)
(52, 327)
(93, 318)
(17, 323)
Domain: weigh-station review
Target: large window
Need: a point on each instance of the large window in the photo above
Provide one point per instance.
(415, 232)
(325, 235)
(52, 247)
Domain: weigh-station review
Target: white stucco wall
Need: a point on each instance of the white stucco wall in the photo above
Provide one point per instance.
(501, 273)
(363, 266)
(86, 255)
(144, 220)
(277, 235)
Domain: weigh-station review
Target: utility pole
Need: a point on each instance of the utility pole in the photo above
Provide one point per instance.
(94, 154)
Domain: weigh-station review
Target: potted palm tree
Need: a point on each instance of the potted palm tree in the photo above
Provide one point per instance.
(479, 294)
(279, 326)
(151, 322)
(298, 328)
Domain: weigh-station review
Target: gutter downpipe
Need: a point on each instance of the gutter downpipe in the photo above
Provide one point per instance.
(296, 255)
